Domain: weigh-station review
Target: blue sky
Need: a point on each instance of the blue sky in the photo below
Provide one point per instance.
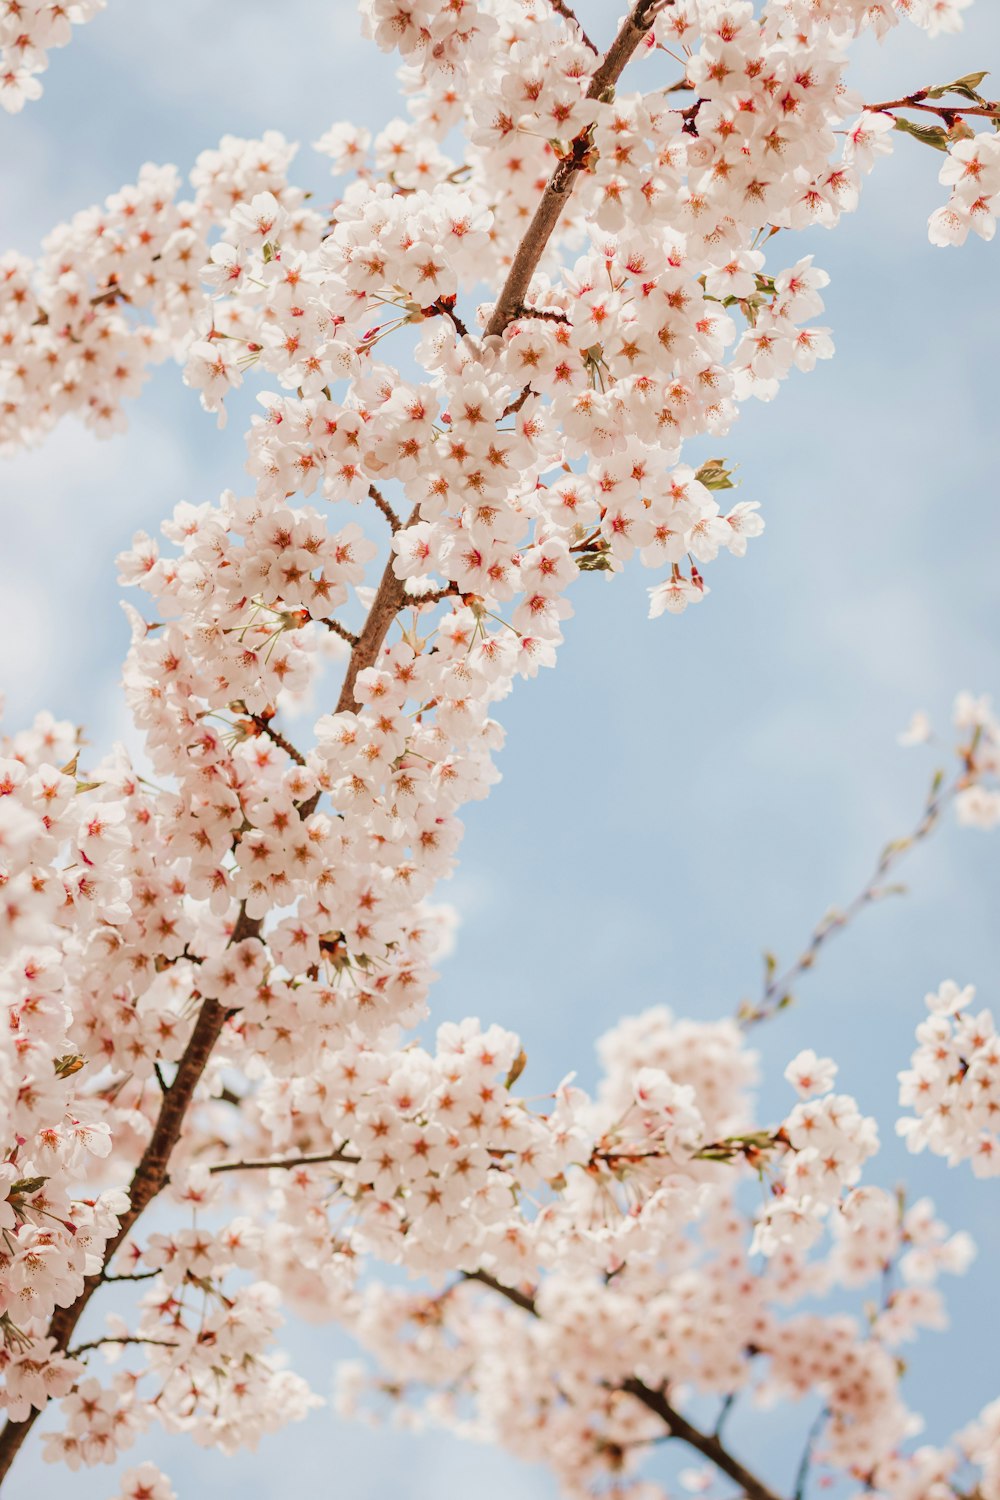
(679, 794)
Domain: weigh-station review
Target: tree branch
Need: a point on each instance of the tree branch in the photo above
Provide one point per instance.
(446, 307)
(264, 726)
(989, 109)
(432, 596)
(388, 601)
(776, 993)
(125, 1338)
(384, 506)
(634, 29)
(707, 1444)
(704, 1443)
(562, 9)
(341, 630)
(148, 1179)
(150, 1175)
(287, 1164)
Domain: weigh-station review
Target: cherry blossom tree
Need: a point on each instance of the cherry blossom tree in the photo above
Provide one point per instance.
(569, 260)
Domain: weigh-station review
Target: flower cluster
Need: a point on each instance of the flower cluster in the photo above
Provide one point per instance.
(119, 288)
(564, 1355)
(953, 1083)
(29, 30)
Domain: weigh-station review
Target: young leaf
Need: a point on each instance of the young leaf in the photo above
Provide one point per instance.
(966, 86)
(714, 475)
(931, 135)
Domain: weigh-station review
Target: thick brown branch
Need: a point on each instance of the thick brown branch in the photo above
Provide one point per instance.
(633, 32)
(517, 403)
(151, 1173)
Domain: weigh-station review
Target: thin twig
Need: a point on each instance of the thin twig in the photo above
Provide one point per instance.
(519, 1299)
(776, 994)
(724, 1411)
(264, 726)
(517, 403)
(805, 1463)
(125, 1338)
(446, 306)
(384, 506)
(432, 596)
(110, 295)
(341, 630)
(989, 110)
(562, 9)
(286, 1164)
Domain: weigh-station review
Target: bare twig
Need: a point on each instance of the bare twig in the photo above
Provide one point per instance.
(949, 113)
(519, 1299)
(446, 306)
(341, 630)
(264, 726)
(384, 506)
(562, 9)
(110, 295)
(286, 1164)
(124, 1338)
(543, 314)
(805, 1463)
(776, 994)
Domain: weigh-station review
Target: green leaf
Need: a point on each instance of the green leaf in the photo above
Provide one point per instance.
(714, 475)
(71, 1063)
(966, 86)
(930, 135)
(517, 1067)
(26, 1186)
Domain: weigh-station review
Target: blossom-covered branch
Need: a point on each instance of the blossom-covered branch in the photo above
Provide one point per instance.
(212, 970)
